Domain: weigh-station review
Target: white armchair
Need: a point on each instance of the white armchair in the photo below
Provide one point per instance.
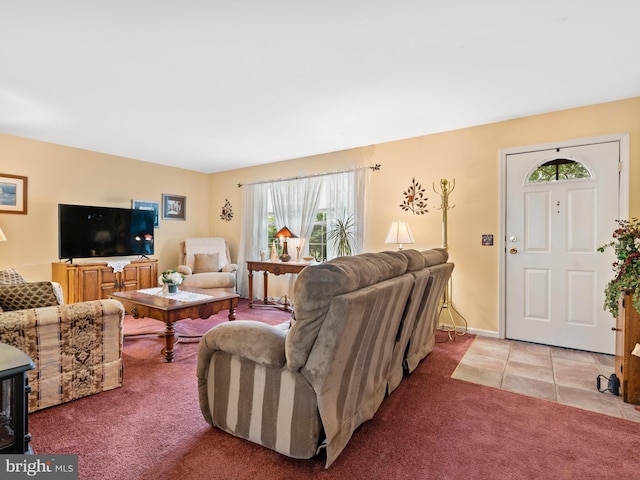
(206, 265)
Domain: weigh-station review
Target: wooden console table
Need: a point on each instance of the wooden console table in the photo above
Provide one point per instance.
(276, 268)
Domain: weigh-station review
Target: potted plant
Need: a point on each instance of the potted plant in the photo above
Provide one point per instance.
(342, 235)
(171, 278)
(626, 245)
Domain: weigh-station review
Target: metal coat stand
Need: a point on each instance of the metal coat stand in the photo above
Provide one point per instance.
(447, 302)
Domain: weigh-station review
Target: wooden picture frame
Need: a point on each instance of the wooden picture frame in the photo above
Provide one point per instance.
(174, 207)
(13, 194)
(146, 205)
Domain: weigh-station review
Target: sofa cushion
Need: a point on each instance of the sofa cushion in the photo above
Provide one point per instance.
(209, 280)
(21, 296)
(206, 262)
(435, 256)
(415, 259)
(10, 276)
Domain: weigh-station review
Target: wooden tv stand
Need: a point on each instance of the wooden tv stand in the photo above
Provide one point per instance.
(82, 281)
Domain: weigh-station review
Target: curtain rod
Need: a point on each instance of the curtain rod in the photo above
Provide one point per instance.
(373, 168)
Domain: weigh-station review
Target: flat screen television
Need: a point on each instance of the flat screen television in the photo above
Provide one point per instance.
(87, 231)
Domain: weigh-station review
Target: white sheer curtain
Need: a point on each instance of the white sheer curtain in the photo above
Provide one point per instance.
(253, 235)
(344, 196)
(295, 203)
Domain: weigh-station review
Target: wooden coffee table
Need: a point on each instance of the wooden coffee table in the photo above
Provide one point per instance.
(169, 310)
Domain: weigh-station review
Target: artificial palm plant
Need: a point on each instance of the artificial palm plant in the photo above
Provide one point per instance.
(342, 235)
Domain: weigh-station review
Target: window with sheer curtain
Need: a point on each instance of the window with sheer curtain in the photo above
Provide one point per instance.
(296, 203)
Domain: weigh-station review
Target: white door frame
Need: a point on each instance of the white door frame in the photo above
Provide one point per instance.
(623, 200)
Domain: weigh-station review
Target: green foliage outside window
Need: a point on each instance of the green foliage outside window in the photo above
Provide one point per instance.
(318, 240)
(559, 169)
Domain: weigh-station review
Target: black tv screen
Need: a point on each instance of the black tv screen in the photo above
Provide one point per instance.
(88, 231)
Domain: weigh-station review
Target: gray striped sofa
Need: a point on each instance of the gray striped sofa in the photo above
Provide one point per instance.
(305, 388)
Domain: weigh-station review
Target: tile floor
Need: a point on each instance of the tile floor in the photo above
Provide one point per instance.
(551, 373)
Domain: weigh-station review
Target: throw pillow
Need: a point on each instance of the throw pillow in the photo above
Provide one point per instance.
(10, 276)
(21, 296)
(205, 262)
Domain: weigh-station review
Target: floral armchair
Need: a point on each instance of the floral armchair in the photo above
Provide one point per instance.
(76, 348)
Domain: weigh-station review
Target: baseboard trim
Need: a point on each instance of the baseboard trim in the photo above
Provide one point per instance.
(484, 333)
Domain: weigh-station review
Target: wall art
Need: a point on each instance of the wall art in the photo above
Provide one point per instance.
(227, 211)
(414, 199)
(174, 207)
(13, 194)
(146, 205)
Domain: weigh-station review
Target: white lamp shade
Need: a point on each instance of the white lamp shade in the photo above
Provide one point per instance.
(399, 232)
(2, 237)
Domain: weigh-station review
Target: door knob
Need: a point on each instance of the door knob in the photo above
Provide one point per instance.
(513, 251)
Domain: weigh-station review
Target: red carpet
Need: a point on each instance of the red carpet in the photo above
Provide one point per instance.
(431, 427)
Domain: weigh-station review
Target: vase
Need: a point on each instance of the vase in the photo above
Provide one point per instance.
(172, 288)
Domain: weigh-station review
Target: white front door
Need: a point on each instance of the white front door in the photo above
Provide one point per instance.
(555, 277)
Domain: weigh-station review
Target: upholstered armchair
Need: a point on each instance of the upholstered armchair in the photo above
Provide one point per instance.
(206, 265)
(76, 348)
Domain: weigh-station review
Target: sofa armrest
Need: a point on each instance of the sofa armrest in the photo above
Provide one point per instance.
(184, 269)
(255, 341)
(229, 267)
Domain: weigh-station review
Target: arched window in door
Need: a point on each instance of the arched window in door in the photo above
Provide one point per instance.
(559, 169)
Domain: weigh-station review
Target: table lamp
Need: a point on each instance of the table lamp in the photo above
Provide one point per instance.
(283, 234)
(399, 232)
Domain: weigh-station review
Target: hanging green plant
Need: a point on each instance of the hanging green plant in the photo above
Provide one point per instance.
(626, 245)
(414, 199)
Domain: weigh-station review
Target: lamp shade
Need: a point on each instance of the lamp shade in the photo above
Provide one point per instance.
(399, 232)
(286, 233)
(2, 237)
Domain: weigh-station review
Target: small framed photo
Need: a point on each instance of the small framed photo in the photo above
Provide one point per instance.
(174, 207)
(13, 194)
(146, 205)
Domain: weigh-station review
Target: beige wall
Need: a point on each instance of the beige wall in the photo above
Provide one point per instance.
(471, 156)
(58, 174)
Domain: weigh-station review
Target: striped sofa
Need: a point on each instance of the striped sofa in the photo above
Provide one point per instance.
(305, 388)
(76, 348)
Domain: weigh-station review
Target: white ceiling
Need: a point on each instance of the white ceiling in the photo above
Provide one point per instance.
(221, 84)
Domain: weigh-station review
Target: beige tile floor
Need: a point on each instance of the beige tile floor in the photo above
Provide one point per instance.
(551, 373)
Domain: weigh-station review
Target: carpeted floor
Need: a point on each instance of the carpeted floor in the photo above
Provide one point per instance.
(431, 427)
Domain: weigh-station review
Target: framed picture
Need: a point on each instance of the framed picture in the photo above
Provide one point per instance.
(145, 205)
(13, 194)
(174, 207)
